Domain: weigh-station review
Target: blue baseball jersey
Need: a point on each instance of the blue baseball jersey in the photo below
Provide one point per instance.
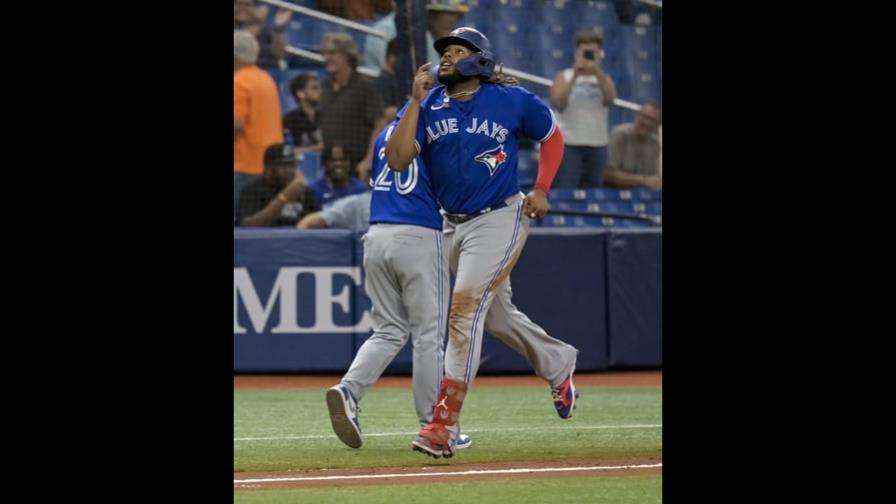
(401, 197)
(471, 147)
(325, 194)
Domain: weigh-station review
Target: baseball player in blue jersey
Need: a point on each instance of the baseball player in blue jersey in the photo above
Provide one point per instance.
(406, 271)
(465, 130)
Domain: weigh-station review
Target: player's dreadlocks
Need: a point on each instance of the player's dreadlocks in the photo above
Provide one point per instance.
(503, 80)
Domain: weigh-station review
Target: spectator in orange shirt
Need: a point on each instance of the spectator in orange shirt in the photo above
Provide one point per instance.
(256, 112)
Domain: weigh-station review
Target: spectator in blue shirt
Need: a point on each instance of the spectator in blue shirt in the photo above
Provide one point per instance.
(337, 181)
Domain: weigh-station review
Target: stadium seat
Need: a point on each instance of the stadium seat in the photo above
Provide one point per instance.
(310, 165)
(567, 194)
(597, 16)
(635, 194)
(621, 115)
(527, 167)
(479, 16)
(304, 32)
(551, 50)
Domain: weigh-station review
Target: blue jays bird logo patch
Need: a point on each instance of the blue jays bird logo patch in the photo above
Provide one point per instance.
(492, 158)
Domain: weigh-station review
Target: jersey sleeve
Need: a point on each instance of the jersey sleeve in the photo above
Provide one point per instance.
(538, 121)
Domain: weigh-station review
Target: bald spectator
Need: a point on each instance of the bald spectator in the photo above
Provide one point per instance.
(256, 112)
(635, 151)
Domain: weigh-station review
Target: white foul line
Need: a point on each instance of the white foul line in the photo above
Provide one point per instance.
(453, 473)
(506, 429)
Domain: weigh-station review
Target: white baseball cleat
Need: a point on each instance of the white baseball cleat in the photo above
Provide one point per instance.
(344, 415)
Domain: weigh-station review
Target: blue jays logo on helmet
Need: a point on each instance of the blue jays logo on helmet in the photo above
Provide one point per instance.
(493, 158)
(480, 64)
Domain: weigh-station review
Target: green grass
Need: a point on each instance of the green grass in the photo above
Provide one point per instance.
(641, 489)
(506, 424)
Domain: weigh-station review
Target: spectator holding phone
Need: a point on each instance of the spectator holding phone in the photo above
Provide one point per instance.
(581, 97)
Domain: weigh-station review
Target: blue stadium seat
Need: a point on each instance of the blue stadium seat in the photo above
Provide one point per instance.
(527, 167)
(646, 87)
(286, 102)
(605, 222)
(640, 66)
(554, 220)
(510, 44)
(619, 222)
(638, 207)
(304, 32)
(606, 194)
(310, 165)
(564, 12)
(508, 31)
(579, 206)
(551, 50)
(621, 115)
(639, 194)
(616, 206)
(593, 11)
(556, 26)
(638, 38)
(595, 15)
(599, 206)
(568, 195)
(480, 16)
(510, 11)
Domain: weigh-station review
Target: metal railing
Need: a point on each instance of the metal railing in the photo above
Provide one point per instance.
(302, 53)
(654, 3)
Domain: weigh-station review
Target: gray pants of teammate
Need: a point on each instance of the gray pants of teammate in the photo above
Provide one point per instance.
(406, 278)
(482, 253)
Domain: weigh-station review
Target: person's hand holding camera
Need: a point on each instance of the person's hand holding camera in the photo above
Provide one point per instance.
(587, 63)
(592, 62)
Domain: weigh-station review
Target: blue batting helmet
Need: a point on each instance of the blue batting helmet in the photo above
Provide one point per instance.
(480, 64)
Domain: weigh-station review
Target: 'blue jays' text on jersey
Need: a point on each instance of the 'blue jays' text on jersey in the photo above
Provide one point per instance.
(471, 147)
(401, 197)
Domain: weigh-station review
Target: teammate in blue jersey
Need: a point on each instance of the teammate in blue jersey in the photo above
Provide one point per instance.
(465, 130)
(406, 278)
